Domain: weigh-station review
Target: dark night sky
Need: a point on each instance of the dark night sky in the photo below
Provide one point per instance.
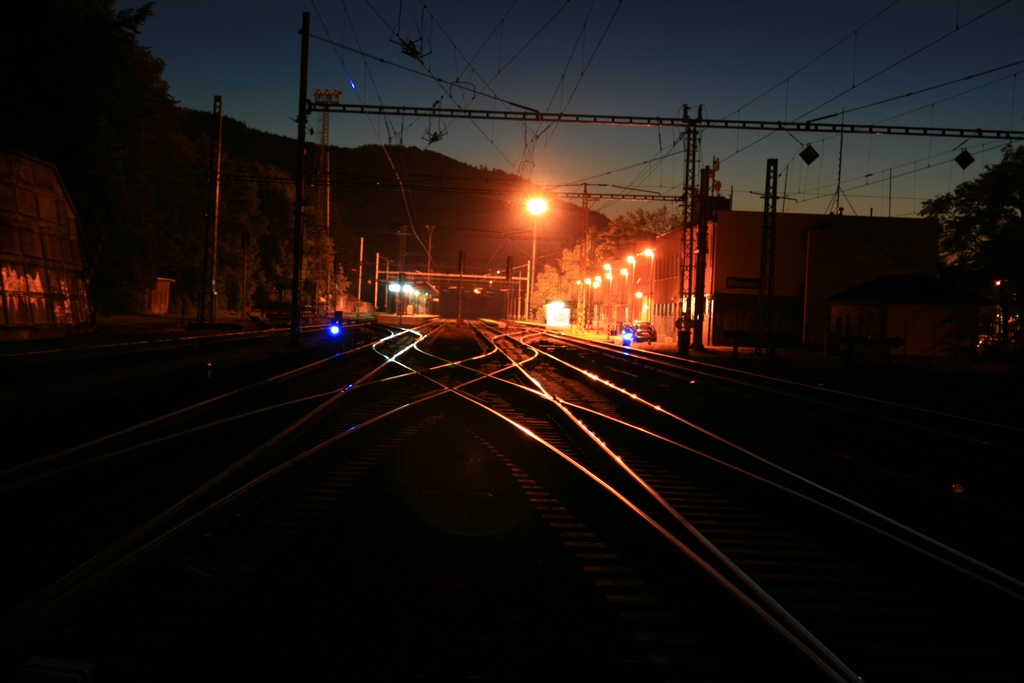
(943, 63)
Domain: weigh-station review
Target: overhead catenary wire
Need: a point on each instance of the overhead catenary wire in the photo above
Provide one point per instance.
(469, 89)
(517, 167)
(451, 86)
(855, 84)
(903, 59)
(384, 149)
(648, 166)
(583, 70)
(786, 80)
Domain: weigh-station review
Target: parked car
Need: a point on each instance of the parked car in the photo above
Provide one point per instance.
(644, 332)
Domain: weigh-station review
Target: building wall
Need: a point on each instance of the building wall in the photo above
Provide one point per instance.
(42, 272)
(841, 256)
(937, 331)
(816, 256)
(666, 307)
(157, 301)
(923, 331)
(735, 274)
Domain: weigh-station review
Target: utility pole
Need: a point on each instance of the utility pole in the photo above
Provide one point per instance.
(359, 285)
(430, 249)
(244, 303)
(691, 149)
(208, 298)
(702, 253)
(687, 286)
(400, 295)
(300, 166)
(462, 258)
(508, 293)
(766, 290)
(322, 263)
(583, 265)
(376, 284)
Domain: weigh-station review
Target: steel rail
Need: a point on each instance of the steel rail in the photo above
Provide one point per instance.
(130, 547)
(789, 629)
(995, 578)
(804, 641)
(761, 382)
(769, 610)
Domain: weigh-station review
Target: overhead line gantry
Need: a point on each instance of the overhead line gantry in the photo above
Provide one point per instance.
(688, 124)
(689, 127)
(816, 126)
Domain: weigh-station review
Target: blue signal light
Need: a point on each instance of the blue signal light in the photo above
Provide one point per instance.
(334, 329)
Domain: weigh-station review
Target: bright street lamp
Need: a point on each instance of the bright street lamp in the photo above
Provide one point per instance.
(535, 206)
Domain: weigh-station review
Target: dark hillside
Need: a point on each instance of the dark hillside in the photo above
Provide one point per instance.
(476, 210)
(240, 141)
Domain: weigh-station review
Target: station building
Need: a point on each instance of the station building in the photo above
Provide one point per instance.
(837, 279)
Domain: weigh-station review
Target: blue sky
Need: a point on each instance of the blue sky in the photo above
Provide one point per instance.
(940, 63)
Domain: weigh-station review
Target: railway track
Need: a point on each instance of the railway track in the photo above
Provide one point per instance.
(456, 502)
(946, 465)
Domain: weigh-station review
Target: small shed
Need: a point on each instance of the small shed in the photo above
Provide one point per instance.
(157, 300)
(914, 314)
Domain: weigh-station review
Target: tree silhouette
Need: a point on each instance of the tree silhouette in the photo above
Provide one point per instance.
(90, 99)
(982, 219)
(981, 245)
